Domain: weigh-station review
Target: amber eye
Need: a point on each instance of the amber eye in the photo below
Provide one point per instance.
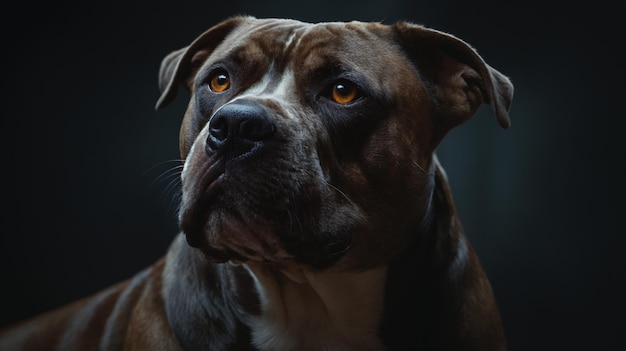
(344, 92)
(220, 81)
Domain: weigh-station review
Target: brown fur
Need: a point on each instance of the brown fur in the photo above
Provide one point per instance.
(335, 197)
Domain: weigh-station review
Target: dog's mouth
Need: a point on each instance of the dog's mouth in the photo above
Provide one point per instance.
(233, 213)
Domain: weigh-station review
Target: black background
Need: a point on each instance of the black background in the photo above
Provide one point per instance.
(88, 195)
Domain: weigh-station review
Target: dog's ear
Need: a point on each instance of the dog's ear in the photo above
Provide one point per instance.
(457, 78)
(181, 66)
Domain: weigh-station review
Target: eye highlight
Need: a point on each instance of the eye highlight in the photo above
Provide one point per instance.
(344, 92)
(220, 81)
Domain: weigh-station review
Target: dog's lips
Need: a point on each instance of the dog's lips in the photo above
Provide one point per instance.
(212, 221)
(224, 227)
(199, 192)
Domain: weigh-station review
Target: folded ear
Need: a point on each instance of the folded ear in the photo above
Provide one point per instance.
(457, 78)
(180, 66)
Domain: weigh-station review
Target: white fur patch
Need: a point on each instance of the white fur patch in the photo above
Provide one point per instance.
(290, 40)
(318, 311)
(268, 88)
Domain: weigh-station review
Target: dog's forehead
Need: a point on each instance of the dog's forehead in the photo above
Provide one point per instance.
(310, 45)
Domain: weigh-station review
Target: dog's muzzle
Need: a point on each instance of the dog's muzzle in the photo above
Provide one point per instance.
(253, 190)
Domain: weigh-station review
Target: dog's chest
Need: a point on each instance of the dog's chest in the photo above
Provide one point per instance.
(319, 313)
(312, 334)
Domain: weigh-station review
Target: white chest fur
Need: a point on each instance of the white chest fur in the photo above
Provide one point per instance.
(303, 310)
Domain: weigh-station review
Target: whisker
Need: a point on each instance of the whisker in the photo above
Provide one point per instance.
(172, 172)
(173, 187)
(174, 204)
(173, 190)
(420, 167)
(174, 180)
(180, 162)
(339, 191)
(169, 183)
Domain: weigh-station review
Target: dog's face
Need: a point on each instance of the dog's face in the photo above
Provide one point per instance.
(311, 144)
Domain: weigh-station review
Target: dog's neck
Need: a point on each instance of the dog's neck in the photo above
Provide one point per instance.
(292, 309)
(305, 310)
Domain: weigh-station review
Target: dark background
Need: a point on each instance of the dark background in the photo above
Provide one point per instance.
(88, 192)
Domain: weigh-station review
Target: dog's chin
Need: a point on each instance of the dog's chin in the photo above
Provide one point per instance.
(228, 240)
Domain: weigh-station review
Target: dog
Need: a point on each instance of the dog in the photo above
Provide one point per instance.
(314, 212)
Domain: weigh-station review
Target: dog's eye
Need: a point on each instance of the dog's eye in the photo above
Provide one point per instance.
(220, 81)
(344, 92)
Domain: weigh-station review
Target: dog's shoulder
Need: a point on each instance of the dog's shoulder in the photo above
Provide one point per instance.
(97, 321)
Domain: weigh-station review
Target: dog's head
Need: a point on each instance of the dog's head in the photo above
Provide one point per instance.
(312, 143)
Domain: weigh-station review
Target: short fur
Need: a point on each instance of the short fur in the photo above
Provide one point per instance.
(307, 224)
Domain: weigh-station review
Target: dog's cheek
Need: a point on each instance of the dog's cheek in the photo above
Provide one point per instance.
(318, 218)
(391, 192)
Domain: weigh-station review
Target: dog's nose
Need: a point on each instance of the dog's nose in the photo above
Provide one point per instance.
(241, 125)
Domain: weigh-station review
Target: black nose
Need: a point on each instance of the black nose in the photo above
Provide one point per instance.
(241, 125)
